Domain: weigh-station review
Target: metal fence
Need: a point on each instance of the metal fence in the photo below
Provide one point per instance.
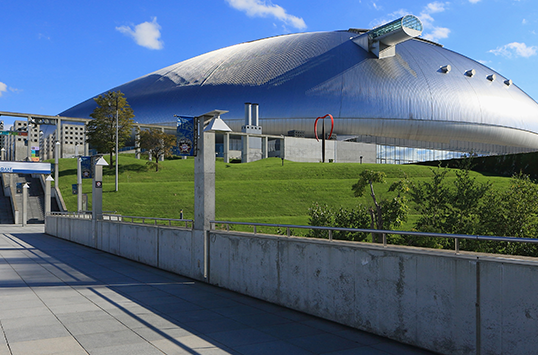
(188, 223)
(384, 233)
(170, 222)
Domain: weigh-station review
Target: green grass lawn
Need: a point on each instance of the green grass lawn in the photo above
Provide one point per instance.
(264, 191)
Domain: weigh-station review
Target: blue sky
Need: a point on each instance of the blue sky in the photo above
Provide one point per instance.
(55, 53)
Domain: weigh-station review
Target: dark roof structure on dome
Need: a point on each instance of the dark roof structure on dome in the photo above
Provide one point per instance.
(422, 96)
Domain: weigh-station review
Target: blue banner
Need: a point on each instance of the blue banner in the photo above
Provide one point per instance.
(186, 136)
(86, 167)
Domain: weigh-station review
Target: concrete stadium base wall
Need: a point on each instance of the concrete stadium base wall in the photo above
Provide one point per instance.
(437, 300)
(309, 151)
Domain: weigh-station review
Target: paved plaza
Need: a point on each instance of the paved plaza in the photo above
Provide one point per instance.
(58, 297)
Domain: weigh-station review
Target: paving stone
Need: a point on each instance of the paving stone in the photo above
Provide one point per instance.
(56, 346)
(58, 297)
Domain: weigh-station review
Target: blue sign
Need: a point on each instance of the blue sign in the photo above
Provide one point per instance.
(186, 136)
(86, 167)
(16, 167)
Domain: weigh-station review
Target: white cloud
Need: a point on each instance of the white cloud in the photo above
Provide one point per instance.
(390, 17)
(260, 8)
(474, 1)
(515, 49)
(433, 33)
(434, 7)
(146, 34)
(3, 88)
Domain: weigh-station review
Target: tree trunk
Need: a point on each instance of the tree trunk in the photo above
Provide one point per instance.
(377, 216)
(372, 225)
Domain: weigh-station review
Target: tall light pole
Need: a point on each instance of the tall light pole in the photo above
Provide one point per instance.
(117, 138)
(56, 169)
(117, 142)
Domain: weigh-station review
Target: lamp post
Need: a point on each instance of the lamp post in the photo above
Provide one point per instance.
(117, 143)
(3, 153)
(56, 157)
(117, 139)
(79, 184)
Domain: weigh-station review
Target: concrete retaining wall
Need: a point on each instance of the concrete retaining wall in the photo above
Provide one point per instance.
(170, 249)
(436, 300)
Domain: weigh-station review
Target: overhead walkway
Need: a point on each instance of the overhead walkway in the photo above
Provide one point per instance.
(57, 297)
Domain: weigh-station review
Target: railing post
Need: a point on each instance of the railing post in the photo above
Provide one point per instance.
(288, 231)
(227, 227)
(457, 245)
(384, 239)
(254, 229)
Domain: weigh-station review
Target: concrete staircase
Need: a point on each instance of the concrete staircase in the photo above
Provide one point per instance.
(6, 214)
(36, 198)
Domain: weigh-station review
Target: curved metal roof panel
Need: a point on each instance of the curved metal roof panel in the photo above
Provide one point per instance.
(296, 78)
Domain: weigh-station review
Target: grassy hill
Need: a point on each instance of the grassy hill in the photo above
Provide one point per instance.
(265, 191)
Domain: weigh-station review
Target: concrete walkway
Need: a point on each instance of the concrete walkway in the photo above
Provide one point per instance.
(57, 297)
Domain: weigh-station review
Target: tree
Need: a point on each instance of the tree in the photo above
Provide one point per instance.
(325, 216)
(451, 207)
(512, 213)
(387, 212)
(157, 143)
(101, 131)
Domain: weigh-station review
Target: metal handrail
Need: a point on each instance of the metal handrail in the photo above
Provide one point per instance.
(121, 218)
(457, 237)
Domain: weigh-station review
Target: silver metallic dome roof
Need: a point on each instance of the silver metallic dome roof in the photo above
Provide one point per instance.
(298, 77)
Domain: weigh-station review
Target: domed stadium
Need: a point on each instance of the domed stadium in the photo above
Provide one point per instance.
(411, 98)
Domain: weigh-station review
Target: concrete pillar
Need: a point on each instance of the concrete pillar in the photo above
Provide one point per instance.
(3, 153)
(204, 179)
(245, 153)
(47, 194)
(29, 140)
(97, 190)
(226, 147)
(25, 188)
(265, 147)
